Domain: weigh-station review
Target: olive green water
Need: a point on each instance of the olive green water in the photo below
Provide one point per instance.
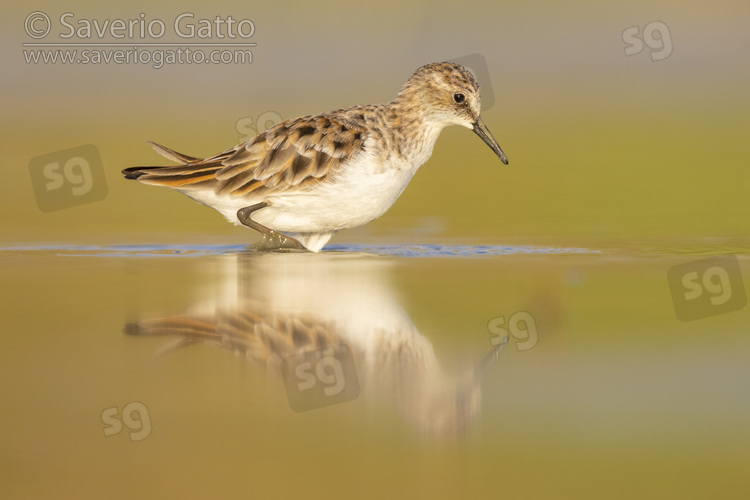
(611, 397)
(142, 346)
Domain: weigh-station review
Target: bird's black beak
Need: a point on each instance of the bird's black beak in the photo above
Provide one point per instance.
(482, 131)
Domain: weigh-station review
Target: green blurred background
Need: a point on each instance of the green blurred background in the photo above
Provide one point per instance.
(604, 147)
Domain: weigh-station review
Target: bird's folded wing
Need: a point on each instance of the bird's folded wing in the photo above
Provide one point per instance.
(294, 153)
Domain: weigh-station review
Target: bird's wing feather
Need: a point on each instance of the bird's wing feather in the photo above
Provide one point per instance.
(294, 153)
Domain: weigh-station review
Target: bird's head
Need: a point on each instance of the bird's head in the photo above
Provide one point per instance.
(448, 94)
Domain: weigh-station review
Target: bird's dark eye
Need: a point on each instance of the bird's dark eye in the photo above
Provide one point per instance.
(459, 98)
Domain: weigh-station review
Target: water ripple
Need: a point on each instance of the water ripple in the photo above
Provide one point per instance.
(422, 251)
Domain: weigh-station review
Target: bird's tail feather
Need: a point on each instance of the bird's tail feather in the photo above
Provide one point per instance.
(171, 154)
(190, 172)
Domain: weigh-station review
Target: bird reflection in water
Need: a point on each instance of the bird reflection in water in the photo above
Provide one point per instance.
(281, 310)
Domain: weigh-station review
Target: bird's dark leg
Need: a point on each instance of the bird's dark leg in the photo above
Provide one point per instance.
(271, 238)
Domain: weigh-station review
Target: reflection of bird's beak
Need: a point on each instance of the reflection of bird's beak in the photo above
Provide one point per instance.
(491, 357)
(482, 131)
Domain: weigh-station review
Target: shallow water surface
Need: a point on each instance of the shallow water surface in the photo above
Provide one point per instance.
(372, 371)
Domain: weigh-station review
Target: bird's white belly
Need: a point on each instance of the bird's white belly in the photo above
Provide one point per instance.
(360, 193)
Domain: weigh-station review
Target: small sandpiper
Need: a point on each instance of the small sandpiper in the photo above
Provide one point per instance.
(302, 180)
